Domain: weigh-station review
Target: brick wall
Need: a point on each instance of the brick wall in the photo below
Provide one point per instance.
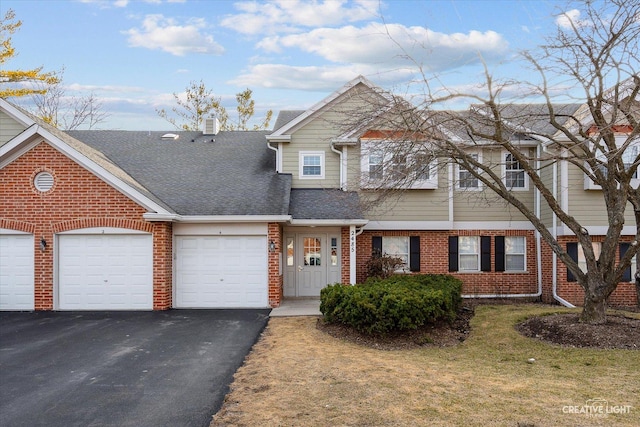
(275, 276)
(434, 258)
(624, 295)
(78, 199)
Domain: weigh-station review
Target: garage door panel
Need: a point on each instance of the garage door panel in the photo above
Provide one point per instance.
(16, 272)
(221, 271)
(105, 272)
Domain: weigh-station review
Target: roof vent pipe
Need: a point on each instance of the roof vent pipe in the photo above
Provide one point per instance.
(211, 126)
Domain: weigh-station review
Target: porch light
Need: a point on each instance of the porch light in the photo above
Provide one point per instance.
(43, 244)
(272, 246)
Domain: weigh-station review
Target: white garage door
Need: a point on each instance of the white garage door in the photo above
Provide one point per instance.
(221, 272)
(105, 272)
(16, 272)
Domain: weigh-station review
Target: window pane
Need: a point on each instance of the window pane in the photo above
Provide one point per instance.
(582, 262)
(312, 250)
(334, 251)
(469, 262)
(515, 263)
(514, 244)
(289, 251)
(466, 178)
(468, 244)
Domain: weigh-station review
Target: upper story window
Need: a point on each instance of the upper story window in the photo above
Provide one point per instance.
(391, 167)
(311, 164)
(514, 176)
(629, 156)
(466, 179)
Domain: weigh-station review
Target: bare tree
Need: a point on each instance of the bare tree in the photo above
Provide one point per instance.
(54, 106)
(200, 102)
(597, 55)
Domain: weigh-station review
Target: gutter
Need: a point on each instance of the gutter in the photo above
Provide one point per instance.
(154, 217)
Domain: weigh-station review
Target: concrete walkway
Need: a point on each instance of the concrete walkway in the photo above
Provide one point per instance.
(297, 307)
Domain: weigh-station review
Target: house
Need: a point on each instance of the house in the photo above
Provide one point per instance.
(128, 220)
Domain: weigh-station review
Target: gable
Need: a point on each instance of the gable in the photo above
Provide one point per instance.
(9, 128)
(76, 192)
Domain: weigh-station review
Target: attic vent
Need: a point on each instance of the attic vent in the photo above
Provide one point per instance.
(43, 182)
(211, 126)
(168, 136)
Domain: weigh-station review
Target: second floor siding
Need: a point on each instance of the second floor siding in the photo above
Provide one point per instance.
(9, 128)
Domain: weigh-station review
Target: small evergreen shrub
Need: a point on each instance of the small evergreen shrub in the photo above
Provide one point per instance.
(397, 303)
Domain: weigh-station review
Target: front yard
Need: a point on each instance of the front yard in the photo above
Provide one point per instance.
(297, 375)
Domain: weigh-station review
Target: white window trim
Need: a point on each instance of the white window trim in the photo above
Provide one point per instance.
(524, 254)
(479, 187)
(412, 184)
(301, 157)
(477, 254)
(635, 182)
(504, 174)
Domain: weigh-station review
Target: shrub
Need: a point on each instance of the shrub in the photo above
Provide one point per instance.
(400, 302)
(382, 266)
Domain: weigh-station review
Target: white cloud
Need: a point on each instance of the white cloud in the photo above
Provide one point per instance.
(314, 78)
(393, 45)
(160, 33)
(566, 19)
(286, 16)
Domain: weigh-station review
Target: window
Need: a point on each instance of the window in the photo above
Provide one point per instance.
(514, 249)
(388, 167)
(514, 176)
(397, 247)
(582, 262)
(468, 253)
(334, 251)
(312, 251)
(628, 157)
(466, 180)
(375, 169)
(312, 165)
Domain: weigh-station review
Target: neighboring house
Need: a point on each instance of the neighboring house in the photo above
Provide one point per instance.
(157, 220)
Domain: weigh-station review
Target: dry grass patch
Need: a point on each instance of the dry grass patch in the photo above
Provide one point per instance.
(297, 375)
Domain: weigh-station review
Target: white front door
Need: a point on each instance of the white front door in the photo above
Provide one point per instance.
(16, 272)
(312, 262)
(312, 265)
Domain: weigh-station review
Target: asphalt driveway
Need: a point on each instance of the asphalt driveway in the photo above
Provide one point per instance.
(169, 368)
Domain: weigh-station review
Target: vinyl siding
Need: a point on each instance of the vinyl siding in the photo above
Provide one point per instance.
(484, 205)
(546, 174)
(587, 206)
(9, 128)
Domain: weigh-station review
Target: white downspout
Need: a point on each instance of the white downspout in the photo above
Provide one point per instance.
(554, 228)
(342, 171)
(269, 146)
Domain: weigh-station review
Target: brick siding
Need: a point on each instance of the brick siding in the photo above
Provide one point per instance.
(78, 200)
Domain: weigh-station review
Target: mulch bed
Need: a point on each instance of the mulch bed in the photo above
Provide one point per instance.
(564, 329)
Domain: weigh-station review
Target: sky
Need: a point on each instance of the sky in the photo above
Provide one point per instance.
(133, 55)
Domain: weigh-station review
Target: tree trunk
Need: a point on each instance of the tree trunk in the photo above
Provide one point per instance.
(594, 310)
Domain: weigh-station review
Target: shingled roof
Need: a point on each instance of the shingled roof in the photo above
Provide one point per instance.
(231, 173)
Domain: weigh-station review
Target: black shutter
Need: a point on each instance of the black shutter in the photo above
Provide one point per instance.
(376, 246)
(485, 253)
(453, 253)
(500, 255)
(414, 253)
(572, 251)
(626, 276)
